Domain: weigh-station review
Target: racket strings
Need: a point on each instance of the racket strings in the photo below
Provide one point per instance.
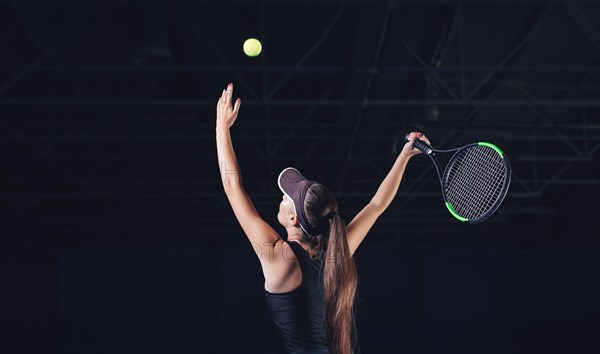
(472, 196)
(478, 193)
(475, 181)
(479, 184)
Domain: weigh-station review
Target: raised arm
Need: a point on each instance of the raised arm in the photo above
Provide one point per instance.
(261, 235)
(358, 228)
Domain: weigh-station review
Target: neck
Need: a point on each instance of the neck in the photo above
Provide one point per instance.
(298, 238)
(294, 234)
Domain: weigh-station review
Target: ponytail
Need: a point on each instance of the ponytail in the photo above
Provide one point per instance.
(340, 279)
(339, 285)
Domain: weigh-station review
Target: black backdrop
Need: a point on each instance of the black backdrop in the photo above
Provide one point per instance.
(115, 235)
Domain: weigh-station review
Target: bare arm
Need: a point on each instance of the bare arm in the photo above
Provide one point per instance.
(261, 235)
(358, 228)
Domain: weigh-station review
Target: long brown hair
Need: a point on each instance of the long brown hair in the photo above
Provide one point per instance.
(340, 279)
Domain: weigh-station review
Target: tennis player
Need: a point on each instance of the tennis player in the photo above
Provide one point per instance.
(310, 276)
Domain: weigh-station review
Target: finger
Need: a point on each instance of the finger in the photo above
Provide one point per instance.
(414, 140)
(223, 97)
(236, 107)
(228, 95)
(419, 136)
(411, 139)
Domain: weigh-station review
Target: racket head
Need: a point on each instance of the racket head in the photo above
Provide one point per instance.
(475, 181)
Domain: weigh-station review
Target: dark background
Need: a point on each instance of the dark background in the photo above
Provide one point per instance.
(116, 236)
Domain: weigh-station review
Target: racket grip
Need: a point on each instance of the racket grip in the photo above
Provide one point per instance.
(420, 144)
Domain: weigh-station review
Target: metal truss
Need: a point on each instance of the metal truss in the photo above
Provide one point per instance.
(557, 137)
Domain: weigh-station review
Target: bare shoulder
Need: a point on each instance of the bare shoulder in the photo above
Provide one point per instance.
(281, 268)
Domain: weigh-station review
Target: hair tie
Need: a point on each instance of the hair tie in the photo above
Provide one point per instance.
(331, 214)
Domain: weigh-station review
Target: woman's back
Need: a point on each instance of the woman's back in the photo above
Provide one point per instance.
(298, 314)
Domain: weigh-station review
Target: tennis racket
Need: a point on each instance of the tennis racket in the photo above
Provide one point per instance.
(475, 180)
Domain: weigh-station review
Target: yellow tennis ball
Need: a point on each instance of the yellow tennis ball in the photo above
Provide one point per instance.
(252, 47)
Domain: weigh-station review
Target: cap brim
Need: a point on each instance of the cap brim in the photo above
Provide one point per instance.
(292, 182)
(294, 185)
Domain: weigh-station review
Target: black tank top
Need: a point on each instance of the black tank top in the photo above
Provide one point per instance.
(299, 313)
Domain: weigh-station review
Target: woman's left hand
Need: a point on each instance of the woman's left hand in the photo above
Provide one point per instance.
(226, 114)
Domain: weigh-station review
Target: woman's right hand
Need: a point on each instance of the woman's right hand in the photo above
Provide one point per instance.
(408, 150)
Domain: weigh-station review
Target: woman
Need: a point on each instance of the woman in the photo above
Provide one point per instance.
(310, 279)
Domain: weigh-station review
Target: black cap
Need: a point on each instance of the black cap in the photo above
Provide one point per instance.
(294, 185)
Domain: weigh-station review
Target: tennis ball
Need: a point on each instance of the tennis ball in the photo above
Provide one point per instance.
(252, 47)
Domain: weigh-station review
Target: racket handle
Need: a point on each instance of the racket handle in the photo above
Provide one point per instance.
(420, 144)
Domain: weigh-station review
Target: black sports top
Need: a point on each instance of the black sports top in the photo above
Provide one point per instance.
(299, 313)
